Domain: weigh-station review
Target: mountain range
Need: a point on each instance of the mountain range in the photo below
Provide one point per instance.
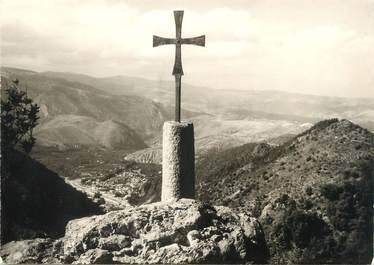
(75, 108)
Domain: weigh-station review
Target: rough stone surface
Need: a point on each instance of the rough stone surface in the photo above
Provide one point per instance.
(185, 231)
(178, 161)
(39, 250)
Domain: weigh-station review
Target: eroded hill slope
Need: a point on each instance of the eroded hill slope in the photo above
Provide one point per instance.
(57, 97)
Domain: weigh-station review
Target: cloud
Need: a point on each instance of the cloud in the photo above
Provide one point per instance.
(317, 48)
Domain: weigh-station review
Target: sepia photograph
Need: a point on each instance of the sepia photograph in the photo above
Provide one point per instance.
(187, 132)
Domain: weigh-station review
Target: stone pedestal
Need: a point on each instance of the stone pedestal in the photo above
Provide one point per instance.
(178, 161)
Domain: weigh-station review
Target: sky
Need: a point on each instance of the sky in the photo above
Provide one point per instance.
(320, 47)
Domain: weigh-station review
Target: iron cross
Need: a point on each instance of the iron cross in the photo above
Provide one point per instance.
(178, 70)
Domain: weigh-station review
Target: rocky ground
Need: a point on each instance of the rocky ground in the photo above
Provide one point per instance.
(186, 231)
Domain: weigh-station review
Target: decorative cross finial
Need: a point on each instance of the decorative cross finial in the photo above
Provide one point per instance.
(178, 69)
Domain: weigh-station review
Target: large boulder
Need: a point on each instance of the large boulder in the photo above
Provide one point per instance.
(186, 231)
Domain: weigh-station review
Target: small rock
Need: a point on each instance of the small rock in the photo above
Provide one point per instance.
(95, 256)
(216, 238)
(114, 242)
(193, 237)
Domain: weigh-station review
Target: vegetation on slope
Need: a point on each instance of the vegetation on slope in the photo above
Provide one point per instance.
(312, 194)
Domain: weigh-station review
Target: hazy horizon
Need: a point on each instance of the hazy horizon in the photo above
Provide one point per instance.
(196, 85)
(307, 47)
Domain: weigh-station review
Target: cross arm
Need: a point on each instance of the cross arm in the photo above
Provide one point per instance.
(158, 41)
(200, 41)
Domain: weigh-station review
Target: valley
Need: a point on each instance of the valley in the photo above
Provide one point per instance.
(103, 175)
(280, 157)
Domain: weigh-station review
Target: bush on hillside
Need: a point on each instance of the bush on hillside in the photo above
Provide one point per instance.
(351, 215)
(301, 237)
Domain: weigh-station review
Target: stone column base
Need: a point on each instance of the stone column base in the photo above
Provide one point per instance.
(178, 161)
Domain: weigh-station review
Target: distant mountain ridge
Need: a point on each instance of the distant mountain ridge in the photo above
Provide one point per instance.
(222, 118)
(238, 104)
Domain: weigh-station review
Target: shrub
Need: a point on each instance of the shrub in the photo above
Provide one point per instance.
(301, 228)
(300, 237)
(331, 191)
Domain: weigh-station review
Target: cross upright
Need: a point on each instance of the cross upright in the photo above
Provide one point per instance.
(178, 70)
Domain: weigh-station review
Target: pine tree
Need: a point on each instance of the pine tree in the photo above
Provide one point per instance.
(19, 116)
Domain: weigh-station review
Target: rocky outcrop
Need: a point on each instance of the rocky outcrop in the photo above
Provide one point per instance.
(186, 231)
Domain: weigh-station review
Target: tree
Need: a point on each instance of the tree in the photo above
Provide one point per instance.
(19, 116)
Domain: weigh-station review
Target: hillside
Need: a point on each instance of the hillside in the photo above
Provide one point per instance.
(67, 131)
(136, 117)
(323, 176)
